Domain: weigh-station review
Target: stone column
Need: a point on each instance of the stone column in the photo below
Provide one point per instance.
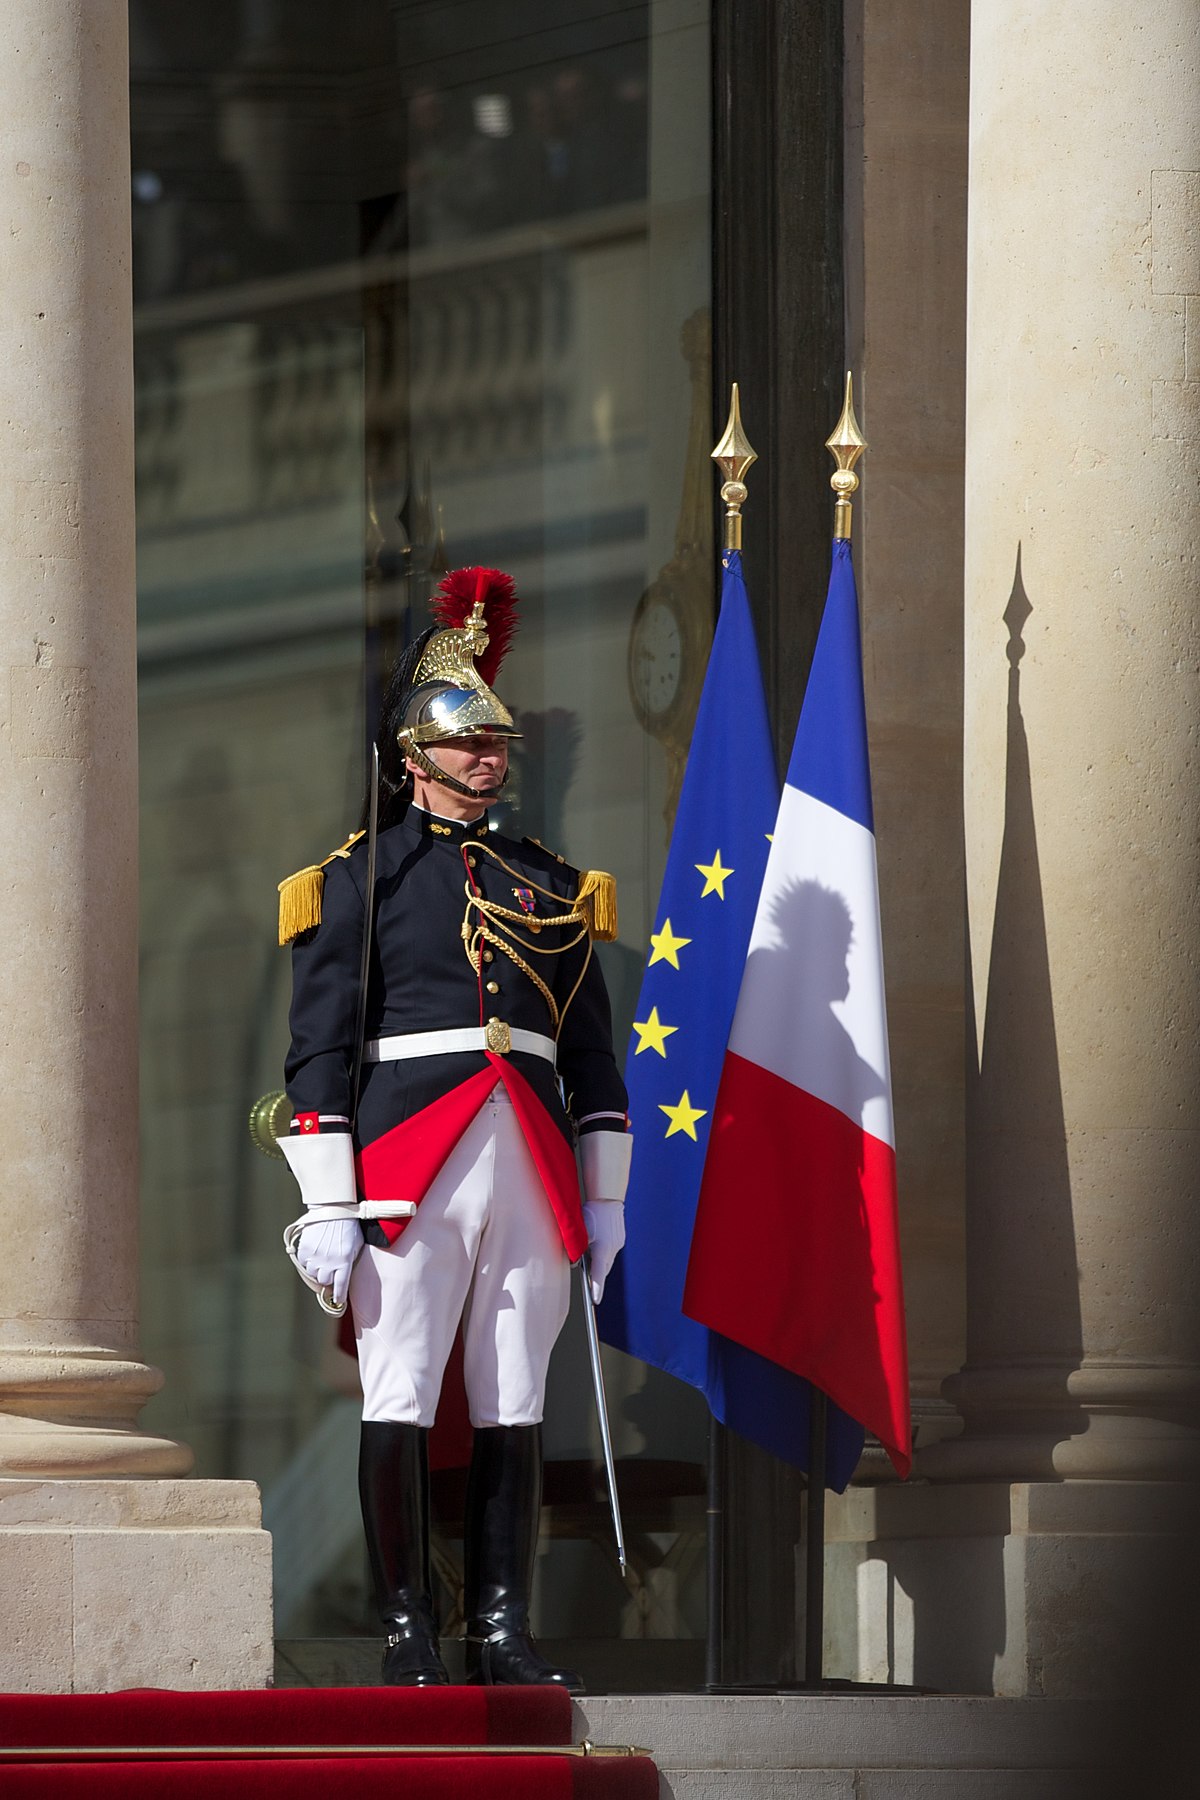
(1082, 709)
(71, 1383)
(906, 228)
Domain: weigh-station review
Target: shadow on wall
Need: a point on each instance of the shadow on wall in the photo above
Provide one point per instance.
(545, 762)
(1024, 1337)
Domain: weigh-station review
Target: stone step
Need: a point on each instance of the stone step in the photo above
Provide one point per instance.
(857, 1747)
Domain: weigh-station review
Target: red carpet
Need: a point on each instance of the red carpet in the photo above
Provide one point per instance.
(194, 1744)
(148, 1716)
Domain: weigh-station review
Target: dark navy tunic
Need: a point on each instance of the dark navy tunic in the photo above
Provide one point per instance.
(420, 979)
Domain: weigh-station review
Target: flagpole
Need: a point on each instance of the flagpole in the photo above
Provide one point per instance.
(845, 444)
(814, 1543)
(714, 1550)
(733, 455)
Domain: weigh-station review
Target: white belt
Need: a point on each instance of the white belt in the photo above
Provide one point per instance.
(448, 1043)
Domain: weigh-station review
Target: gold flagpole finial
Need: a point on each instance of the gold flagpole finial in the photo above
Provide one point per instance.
(845, 444)
(733, 456)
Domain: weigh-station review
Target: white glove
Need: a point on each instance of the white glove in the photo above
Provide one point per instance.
(323, 1164)
(327, 1251)
(605, 1221)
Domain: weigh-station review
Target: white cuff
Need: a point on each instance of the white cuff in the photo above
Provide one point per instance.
(604, 1163)
(324, 1167)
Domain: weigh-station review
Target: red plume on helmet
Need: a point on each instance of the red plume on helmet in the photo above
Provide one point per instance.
(456, 595)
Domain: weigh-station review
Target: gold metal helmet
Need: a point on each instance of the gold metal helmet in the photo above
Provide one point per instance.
(448, 694)
(449, 697)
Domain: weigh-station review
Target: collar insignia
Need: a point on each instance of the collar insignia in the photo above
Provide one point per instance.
(450, 828)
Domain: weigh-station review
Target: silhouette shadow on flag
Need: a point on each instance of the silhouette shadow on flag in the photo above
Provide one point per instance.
(795, 1252)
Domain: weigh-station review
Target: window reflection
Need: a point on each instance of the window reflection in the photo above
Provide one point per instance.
(416, 285)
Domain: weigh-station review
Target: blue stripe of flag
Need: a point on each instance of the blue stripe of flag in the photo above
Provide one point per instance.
(829, 755)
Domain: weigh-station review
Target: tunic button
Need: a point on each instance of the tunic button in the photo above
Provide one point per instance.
(493, 987)
(470, 862)
(487, 956)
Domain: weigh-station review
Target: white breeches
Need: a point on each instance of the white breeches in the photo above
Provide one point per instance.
(484, 1247)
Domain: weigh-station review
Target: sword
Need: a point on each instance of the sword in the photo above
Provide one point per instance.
(610, 1467)
(364, 971)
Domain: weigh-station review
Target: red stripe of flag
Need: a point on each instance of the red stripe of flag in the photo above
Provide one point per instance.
(825, 1300)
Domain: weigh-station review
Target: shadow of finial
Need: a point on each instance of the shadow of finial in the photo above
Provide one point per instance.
(1015, 614)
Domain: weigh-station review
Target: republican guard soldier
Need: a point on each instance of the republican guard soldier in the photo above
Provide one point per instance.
(490, 1108)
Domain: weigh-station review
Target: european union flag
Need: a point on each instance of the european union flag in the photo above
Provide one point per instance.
(706, 910)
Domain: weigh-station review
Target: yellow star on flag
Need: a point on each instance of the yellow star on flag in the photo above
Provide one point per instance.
(666, 946)
(714, 874)
(652, 1033)
(683, 1117)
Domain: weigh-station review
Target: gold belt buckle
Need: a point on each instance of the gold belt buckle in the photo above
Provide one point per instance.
(498, 1036)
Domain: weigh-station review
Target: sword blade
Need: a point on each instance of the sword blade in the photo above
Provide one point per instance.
(610, 1467)
(364, 970)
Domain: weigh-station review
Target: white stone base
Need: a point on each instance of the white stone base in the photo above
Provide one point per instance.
(854, 1747)
(1029, 1589)
(122, 1584)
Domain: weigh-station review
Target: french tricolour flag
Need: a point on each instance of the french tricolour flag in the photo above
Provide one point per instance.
(796, 1250)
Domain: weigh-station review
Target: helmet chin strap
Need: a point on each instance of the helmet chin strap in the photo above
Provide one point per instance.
(428, 767)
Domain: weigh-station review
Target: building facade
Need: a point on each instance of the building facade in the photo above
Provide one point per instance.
(319, 305)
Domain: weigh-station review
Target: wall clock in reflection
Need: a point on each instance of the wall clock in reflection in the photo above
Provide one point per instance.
(656, 658)
(669, 638)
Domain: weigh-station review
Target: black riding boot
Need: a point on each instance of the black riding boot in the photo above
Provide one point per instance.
(504, 1498)
(393, 1486)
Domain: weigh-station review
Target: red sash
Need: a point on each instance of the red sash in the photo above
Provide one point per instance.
(402, 1164)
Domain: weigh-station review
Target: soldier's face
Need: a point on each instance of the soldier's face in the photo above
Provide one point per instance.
(480, 763)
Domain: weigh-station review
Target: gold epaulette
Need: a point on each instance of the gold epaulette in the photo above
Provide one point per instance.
(597, 900)
(300, 895)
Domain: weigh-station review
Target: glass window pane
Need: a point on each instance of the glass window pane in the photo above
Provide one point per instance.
(417, 285)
